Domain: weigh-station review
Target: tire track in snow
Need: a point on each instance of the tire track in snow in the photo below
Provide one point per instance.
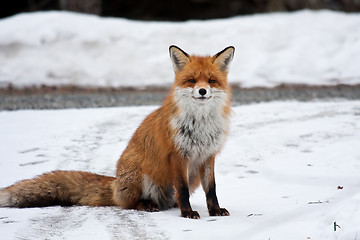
(90, 223)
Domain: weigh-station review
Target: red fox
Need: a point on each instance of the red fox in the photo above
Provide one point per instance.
(170, 154)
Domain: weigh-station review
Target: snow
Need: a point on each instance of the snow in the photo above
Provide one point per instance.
(289, 170)
(278, 174)
(63, 48)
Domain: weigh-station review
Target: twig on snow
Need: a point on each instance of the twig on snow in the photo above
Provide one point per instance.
(318, 202)
(335, 226)
(254, 214)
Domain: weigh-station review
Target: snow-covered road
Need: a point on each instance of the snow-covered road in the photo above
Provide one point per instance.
(279, 174)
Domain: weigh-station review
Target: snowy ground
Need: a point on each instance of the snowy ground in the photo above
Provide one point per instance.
(278, 174)
(60, 48)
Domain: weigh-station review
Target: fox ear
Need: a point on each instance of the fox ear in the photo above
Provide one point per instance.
(224, 58)
(178, 57)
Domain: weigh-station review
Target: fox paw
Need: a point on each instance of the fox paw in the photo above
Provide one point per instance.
(148, 206)
(219, 212)
(190, 214)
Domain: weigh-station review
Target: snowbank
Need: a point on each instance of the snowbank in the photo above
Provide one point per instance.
(62, 48)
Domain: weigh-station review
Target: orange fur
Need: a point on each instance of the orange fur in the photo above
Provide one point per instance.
(156, 170)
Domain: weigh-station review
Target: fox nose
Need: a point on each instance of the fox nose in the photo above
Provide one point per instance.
(202, 91)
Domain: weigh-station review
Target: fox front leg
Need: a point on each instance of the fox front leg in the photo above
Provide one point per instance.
(179, 168)
(209, 186)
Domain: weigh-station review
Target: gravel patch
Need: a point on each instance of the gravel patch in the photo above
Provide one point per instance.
(73, 97)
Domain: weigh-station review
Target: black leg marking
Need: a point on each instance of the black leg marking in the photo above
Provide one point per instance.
(184, 203)
(213, 204)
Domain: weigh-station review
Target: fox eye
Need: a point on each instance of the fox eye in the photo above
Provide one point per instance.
(212, 81)
(192, 80)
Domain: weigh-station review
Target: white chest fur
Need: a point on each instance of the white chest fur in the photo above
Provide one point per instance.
(201, 125)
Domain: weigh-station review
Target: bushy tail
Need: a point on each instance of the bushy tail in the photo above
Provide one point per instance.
(63, 188)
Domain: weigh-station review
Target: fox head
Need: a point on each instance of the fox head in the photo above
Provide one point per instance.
(201, 80)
